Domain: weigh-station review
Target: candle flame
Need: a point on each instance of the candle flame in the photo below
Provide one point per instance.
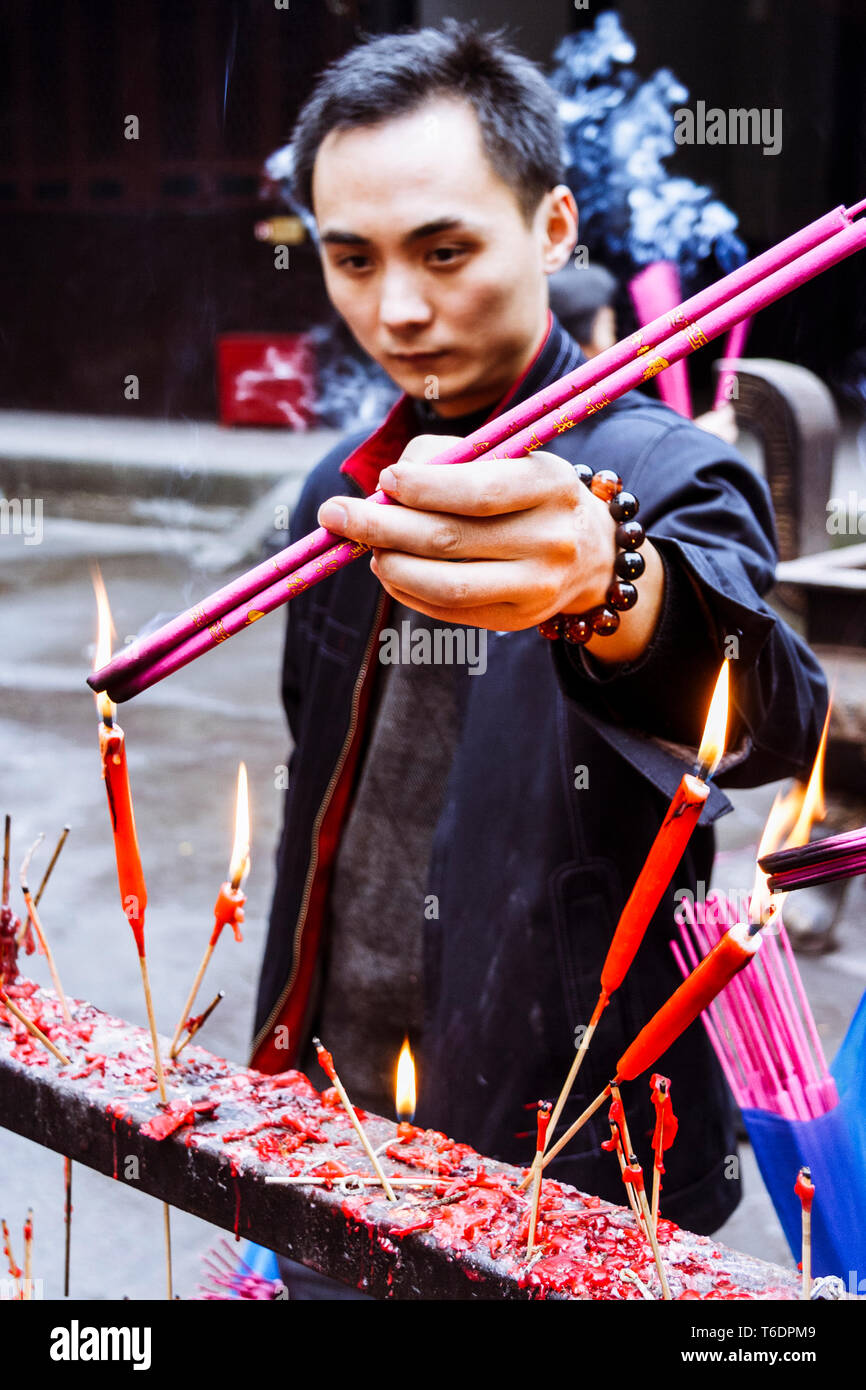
(783, 814)
(405, 1089)
(813, 807)
(716, 728)
(789, 824)
(239, 866)
(105, 635)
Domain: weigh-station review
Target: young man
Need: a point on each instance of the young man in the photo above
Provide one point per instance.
(458, 843)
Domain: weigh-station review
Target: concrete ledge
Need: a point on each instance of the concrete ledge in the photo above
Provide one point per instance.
(464, 1239)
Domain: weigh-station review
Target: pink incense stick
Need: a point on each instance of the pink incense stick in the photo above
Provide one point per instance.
(726, 1055)
(685, 341)
(747, 1032)
(734, 345)
(142, 653)
(762, 1010)
(656, 290)
(811, 875)
(827, 1090)
(748, 1043)
(783, 1042)
(773, 1024)
(744, 1057)
(750, 1027)
(754, 1091)
(794, 1023)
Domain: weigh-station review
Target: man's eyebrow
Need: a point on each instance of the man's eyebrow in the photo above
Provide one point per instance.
(334, 236)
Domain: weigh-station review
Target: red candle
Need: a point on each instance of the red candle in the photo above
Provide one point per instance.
(661, 862)
(228, 908)
(130, 875)
(112, 748)
(669, 845)
(728, 956)
(228, 912)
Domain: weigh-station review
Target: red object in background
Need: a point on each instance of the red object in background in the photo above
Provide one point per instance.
(266, 379)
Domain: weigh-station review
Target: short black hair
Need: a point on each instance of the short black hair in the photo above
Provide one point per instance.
(394, 74)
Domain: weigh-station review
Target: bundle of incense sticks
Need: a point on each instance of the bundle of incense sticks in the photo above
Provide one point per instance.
(839, 856)
(516, 433)
(761, 1026)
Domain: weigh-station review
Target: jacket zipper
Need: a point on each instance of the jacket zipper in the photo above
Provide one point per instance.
(320, 815)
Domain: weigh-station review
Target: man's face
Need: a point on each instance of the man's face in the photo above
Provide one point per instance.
(428, 258)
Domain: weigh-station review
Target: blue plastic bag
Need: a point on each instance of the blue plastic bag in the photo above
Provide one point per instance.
(834, 1148)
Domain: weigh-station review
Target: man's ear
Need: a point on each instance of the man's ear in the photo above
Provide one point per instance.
(557, 223)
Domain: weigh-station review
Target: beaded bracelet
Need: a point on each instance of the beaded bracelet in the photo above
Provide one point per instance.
(603, 620)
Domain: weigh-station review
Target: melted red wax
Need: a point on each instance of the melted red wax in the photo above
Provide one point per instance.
(116, 1109)
(176, 1113)
(9, 927)
(633, 1173)
(667, 1124)
(805, 1190)
(326, 1062)
(330, 1168)
(287, 1120)
(471, 1207)
(7, 1248)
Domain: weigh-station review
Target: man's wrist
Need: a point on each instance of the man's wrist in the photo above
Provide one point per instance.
(637, 625)
(600, 609)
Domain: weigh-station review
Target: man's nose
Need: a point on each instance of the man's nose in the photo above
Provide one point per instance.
(403, 305)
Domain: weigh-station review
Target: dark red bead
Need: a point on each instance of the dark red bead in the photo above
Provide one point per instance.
(606, 484)
(624, 506)
(604, 620)
(630, 535)
(622, 595)
(629, 565)
(576, 628)
(584, 473)
(551, 628)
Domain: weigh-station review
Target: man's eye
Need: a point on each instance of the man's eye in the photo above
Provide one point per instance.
(442, 255)
(354, 262)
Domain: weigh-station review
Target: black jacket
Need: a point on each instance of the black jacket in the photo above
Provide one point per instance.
(530, 866)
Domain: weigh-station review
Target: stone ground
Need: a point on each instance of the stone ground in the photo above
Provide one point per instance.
(185, 738)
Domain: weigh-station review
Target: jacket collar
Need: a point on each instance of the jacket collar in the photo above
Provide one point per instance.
(557, 354)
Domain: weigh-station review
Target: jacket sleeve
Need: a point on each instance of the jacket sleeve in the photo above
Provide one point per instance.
(709, 515)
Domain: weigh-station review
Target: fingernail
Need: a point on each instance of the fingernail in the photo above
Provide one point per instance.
(388, 480)
(332, 516)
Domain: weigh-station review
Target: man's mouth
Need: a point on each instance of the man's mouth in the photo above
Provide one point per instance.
(419, 359)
